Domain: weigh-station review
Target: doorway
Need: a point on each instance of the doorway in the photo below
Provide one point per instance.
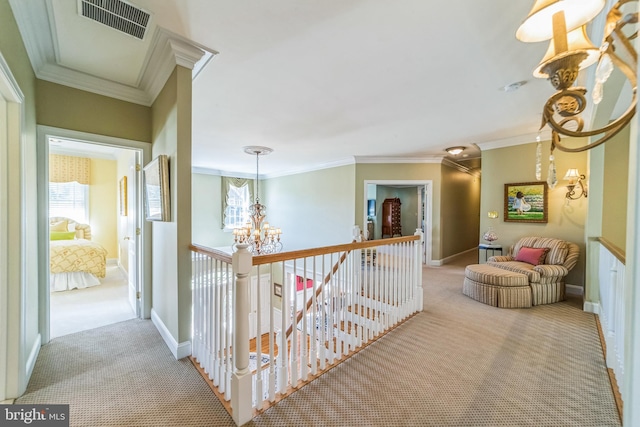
(112, 211)
(417, 196)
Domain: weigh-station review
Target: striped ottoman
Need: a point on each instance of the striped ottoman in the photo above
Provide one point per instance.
(497, 287)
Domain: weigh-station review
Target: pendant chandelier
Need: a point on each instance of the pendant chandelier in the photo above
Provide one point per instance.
(570, 50)
(261, 237)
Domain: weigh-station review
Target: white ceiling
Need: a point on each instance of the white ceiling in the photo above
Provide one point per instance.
(320, 81)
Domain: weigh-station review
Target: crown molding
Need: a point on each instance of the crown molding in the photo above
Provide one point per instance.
(167, 50)
(545, 135)
(374, 159)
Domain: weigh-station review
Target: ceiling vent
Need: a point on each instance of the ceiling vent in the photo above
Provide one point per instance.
(118, 15)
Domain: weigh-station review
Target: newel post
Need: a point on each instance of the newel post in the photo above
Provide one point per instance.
(241, 378)
(418, 244)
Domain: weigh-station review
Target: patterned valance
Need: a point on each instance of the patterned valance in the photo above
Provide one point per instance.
(69, 169)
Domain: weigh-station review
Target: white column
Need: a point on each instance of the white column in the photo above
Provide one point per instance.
(241, 379)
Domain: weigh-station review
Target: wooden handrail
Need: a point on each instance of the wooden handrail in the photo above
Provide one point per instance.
(615, 251)
(303, 253)
(213, 253)
(347, 247)
(318, 291)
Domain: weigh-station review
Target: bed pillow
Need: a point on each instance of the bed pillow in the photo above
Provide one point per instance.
(59, 226)
(533, 256)
(62, 235)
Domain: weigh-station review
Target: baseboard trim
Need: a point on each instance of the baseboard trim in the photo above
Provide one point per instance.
(441, 262)
(178, 350)
(112, 261)
(591, 307)
(574, 289)
(33, 356)
(124, 272)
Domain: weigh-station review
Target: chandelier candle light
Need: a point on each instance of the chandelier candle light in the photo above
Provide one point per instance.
(564, 23)
(261, 237)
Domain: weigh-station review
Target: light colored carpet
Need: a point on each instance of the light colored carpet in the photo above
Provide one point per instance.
(82, 309)
(458, 363)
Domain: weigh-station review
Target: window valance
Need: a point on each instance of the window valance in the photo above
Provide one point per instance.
(227, 182)
(69, 169)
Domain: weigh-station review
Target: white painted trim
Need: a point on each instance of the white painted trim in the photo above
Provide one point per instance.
(33, 355)
(428, 184)
(327, 165)
(166, 50)
(112, 262)
(545, 135)
(43, 134)
(374, 159)
(13, 250)
(574, 289)
(178, 350)
(450, 258)
(591, 307)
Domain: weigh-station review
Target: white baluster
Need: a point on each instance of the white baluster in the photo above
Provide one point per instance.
(259, 392)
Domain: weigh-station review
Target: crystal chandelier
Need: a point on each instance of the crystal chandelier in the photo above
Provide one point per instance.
(260, 236)
(564, 22)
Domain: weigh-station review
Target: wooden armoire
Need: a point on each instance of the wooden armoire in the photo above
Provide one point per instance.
(391, 226)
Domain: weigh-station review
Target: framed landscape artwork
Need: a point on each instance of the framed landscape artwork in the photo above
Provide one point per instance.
(526, 202)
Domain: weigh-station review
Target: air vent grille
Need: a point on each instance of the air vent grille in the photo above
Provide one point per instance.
(118, 15)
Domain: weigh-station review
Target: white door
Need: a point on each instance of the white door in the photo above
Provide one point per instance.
(133, 232)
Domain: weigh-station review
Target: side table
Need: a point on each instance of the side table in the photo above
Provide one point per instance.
(486, 247)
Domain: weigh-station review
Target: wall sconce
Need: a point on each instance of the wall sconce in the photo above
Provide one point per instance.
(492, 214)
(575, 179)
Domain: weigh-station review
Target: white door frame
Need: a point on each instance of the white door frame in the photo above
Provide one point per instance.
(44, 134)
(427, 206)
(15, 368)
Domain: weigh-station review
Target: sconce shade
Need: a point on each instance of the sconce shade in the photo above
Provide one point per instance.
(572, 175)
(538, 26)
(577, 40)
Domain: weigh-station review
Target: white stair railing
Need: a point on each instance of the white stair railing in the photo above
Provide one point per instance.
(255, 346)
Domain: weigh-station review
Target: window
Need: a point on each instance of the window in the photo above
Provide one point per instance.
(69, 199)
(237, 210)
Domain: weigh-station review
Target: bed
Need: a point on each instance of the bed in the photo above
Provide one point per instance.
(75, 261)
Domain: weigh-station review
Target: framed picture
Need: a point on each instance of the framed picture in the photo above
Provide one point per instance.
(526, 202)
(123, 196)
(277, 289)
(156, 189)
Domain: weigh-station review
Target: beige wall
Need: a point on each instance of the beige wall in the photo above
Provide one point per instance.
(517, 164)
(616, 171)
(68, 108)
(171, 256)
(103, 204)
(459, 211)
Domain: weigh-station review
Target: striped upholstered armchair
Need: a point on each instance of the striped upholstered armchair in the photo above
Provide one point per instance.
(545, 261)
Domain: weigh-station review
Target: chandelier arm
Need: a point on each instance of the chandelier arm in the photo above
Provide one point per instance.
(620, 124)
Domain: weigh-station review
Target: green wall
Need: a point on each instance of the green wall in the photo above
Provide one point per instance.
(459, 211)
(68, 108)
(614, 195)
(206, 211)
(517, 164)
(313, 208)
(171, 256)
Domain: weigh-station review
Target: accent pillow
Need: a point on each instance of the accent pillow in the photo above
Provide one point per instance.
(533, 256)
(59, 226)
(62, 235)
